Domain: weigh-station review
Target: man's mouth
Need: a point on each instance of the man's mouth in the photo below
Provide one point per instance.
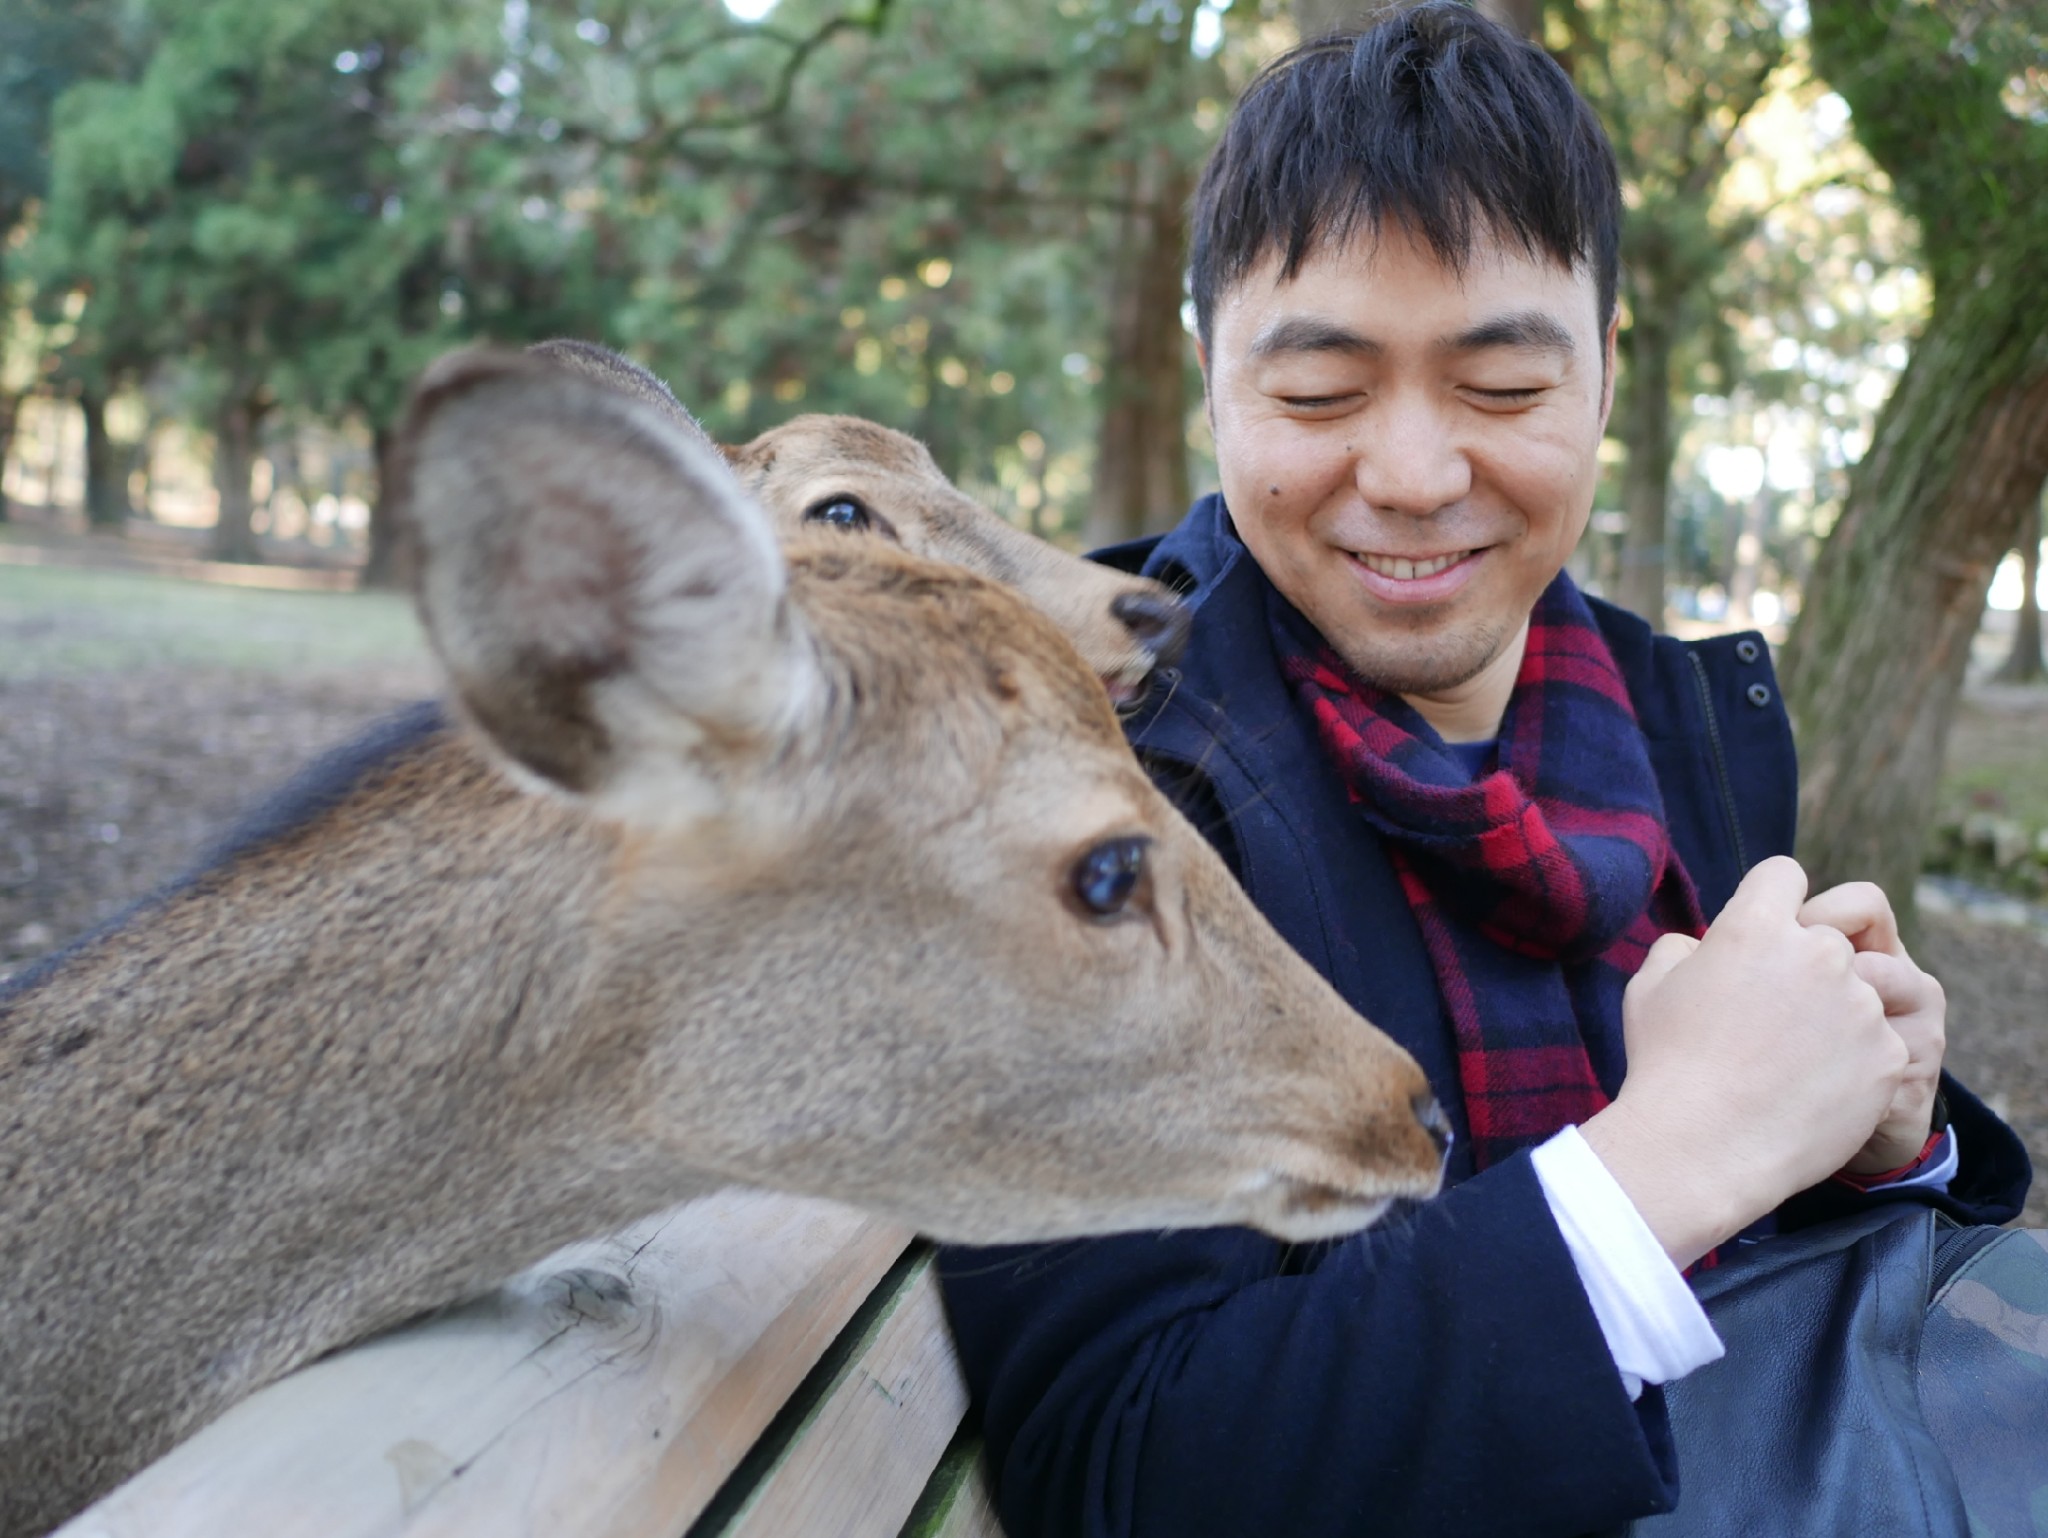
(1401, 570)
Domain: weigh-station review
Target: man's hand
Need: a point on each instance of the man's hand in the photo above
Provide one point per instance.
(1759, 1063)
(1913, 1003)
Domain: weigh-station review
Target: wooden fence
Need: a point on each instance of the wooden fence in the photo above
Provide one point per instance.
(747, 1366)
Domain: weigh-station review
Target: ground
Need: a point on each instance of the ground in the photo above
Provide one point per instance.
(141, 710)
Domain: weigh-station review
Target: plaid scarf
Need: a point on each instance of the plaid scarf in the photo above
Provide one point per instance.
(1539, 886)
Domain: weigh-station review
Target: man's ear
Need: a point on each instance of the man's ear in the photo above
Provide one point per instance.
(1607, 368)
(609, 604)
(1208, 399)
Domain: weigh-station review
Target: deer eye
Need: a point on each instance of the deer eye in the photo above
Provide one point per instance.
(1107, 876)
(840, 512)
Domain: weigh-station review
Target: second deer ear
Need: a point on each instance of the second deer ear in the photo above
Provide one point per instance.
(608, 602)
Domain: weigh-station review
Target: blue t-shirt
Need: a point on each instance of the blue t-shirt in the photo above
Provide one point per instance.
(1475, 757)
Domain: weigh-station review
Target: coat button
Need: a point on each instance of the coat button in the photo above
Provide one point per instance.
(1748, 650)
(1758, 694)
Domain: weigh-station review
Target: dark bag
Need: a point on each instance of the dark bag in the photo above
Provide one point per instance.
(1813, 1423)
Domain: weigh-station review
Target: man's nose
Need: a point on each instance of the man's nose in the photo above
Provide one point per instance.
(1407, 458)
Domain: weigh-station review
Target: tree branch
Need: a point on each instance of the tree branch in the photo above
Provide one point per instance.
(1930, 114)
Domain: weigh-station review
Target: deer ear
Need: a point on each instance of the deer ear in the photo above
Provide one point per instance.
(621, 373)
(609, 604)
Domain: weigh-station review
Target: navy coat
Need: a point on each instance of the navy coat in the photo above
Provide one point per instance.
(1442, 1373)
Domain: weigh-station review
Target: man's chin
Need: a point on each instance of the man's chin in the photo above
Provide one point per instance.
(1430, 672)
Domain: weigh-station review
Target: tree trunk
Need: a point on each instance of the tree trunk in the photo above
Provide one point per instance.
(1961, 448)
(141, 461)
(1646, 478)
(10, 417)
(234, 464)
(1745, 566)
(939, 422)
(386, 566)
(2024, 664)
(1141, 457)
(1877, 660)
(106, 481)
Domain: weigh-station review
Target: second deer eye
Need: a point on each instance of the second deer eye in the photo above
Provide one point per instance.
(840, 513)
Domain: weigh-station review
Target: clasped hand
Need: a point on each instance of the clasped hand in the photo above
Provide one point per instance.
(1914, 1006)
(1796, 1039)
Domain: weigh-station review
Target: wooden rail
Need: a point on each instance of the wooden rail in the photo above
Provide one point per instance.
(747, 1366)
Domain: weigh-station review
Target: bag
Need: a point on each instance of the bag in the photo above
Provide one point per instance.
(1984, 1374)
(1886, 1374)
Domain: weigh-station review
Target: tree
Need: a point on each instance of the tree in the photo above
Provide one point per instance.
(1948, 99)
(2023, 664)
(1140, 485)
(1673, 111)
(225, 208)
(45, 47)
(765, 215)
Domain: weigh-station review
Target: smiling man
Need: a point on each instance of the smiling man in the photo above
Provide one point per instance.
(1540, 845)
(1411, 460)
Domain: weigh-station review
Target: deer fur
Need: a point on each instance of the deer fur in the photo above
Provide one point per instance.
(1126, 627)
(725, 864)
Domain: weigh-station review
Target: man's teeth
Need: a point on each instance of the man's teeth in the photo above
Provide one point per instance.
(1408, 571)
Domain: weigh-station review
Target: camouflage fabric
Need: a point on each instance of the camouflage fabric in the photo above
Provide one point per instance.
(1984, 1383)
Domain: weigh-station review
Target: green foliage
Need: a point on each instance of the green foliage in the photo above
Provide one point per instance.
(903, 211)
(228, 210)
(46, 46)
(900, 208)
(1951, 98)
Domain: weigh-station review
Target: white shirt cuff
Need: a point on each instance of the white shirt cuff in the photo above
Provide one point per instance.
(1656, 1330)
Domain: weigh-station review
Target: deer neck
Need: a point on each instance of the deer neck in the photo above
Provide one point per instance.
(313, 1078)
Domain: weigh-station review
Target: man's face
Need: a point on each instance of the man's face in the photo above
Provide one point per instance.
(1409, 451)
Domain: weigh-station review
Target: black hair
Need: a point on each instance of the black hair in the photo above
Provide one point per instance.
(1436, 119)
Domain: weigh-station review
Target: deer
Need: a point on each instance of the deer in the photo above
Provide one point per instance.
(841, 472)
(815, 865)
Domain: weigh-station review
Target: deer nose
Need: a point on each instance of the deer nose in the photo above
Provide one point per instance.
(1157, 620)
(1434, 1122)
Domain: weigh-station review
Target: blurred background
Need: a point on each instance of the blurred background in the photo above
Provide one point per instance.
(232, 231)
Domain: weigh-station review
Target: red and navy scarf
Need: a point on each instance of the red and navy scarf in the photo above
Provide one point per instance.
(1539, 886)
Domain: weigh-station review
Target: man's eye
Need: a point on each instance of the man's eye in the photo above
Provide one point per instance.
(839, 512)
(1510, 397)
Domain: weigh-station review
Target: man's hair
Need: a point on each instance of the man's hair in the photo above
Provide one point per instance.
(1436, 119)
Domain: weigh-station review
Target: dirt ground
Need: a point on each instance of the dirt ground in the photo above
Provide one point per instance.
(111, 784)
(115, 775)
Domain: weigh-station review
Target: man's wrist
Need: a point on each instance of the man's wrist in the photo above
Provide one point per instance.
(1653, 1325)
(1689, 1210)
(1933, 1167)
(1892, 1149)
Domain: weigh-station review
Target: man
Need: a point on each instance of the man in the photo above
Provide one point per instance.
(1480, 804)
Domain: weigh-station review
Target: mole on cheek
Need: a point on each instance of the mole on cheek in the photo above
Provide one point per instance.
(1272, 491)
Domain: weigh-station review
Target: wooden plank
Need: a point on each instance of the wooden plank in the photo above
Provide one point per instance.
(972, 1514)
(956, 1502)
(857, 1468)
(607, 1393)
